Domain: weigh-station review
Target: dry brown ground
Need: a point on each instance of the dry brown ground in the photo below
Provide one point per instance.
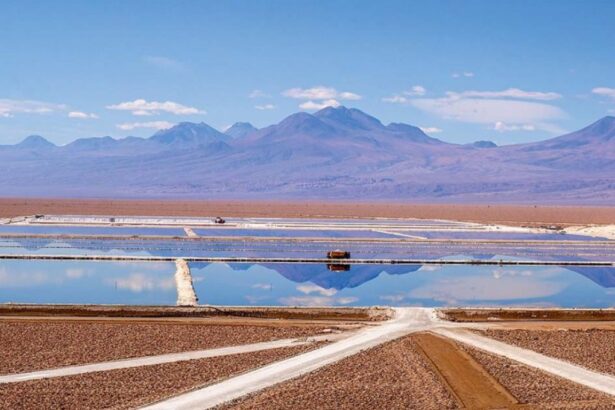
(555, 325)
(393, 375)
(130, 388)
(527, 315)
(29, 345)
(234, 312)
(473, 387)
(538, 389)
(507, 214)
(594, 349)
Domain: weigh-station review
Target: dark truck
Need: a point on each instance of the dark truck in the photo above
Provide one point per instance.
(338, 254)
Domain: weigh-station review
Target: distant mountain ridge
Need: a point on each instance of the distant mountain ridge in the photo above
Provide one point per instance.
(335, 153)
(240, 130)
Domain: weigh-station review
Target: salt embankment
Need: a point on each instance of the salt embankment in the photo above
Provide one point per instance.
(183, 280)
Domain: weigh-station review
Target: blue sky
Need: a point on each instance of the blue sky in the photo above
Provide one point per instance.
(508, 71)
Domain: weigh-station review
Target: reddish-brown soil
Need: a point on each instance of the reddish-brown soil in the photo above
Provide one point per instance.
(507, 214)
(556, 325)
(130, 388)
(128, 311)
(540, 390)
(36, 345)
(495, 315)
(593, 349)
(393, 375)
(471, 384)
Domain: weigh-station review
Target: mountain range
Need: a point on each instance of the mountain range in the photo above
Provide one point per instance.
(336, 153)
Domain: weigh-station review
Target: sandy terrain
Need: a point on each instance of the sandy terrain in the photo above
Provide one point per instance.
(393, 375)
(604, 231)
(504, 214)
(593, 349)
(35, 345)
(528, 385)
(128, 388)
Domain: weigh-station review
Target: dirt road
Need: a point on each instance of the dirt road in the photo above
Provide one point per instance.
(504, 214)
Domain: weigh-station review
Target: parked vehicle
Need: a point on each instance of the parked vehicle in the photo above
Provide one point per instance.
(338, 254)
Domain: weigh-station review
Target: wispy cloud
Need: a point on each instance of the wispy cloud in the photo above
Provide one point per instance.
(317, 300)
(605, 92)
(258, 94)
(146, 108)
(320, 97)
(396, 99)
(263, 286)
(139, 282)
(264, 107)
(316, 105)
(467, 74)
(431, 130)
(507, 93)
(310, 288)
(164, 63)
(511, 109)
(9, 108)
(82, 115)
(502, 127)
(157, 125)
(417, 90)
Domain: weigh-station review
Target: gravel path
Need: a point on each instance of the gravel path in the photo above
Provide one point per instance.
(393, 375)
(529, 385)
(128, 388)
(594, 349)
(151, 360)
(406, 320)
(29, 346)
(598, 381)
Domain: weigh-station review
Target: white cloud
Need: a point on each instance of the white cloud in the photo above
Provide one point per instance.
(396, 99)
(9, 107)
(430, 130)
(262, 286)
(316, 300)
(604, 91)
(479, 288)
(348, 96)
(507, 93)
(310, 288)
(502, 127)
(314, 105)
(265, 107)
(258, 94)
(347, 300)
(314, 93)
(416, 91)
(75, 273)
(157, 125)
(320, 97)
(164, 62)
(143, 107)
(459, 107)
(82, 115)
(138, 282)
(467, 74)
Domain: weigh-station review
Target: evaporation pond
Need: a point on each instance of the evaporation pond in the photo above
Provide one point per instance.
(152, 283)
(137, 283)
(89, 230)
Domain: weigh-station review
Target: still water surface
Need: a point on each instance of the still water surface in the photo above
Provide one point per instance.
(306, 284)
